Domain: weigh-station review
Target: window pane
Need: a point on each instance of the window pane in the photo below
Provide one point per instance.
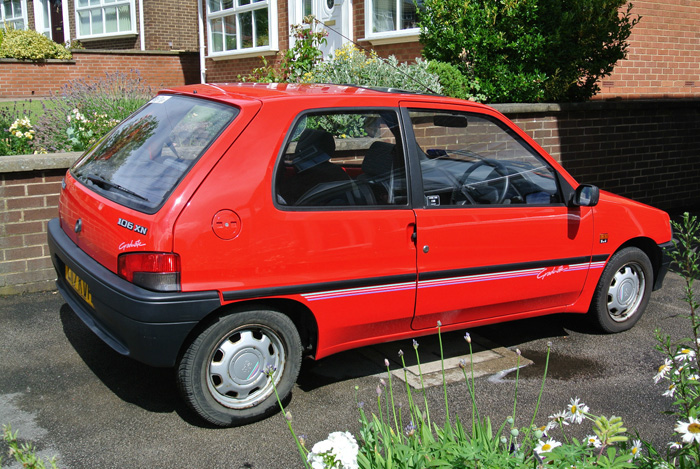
(246, 20)
(306, 8)
(262, 35)
(227, 4)
(473, 160)
(343, 159)
(83, 3)
(409, 18)
(217, 35)
(214, 5)
(111, 25)
(230, 32)
(243, 2)
(96, 19)
(384, 15)
(84, 23)
(124, 18)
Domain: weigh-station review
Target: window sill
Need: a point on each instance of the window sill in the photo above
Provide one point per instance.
(242, 55)
(103, 37)
(395, 38)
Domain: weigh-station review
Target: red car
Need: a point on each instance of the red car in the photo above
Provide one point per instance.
(228, 230)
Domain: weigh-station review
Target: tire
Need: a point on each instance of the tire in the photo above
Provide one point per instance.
(223, 372)
(623, 291)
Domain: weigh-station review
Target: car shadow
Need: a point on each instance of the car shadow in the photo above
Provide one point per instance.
(155, 389)
(369, 361)
(152, 389)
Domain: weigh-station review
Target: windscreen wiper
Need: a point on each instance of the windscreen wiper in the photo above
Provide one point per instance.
(105, 184)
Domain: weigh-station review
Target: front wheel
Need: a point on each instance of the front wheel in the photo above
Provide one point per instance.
(227, 372)
(623, 291)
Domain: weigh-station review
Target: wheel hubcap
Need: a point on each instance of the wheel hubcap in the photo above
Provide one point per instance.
(236, 374)
(626, 292)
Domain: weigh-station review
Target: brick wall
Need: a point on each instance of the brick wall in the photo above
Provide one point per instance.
(645, 150)
(21, 79)
(662, 59)
(29, 188)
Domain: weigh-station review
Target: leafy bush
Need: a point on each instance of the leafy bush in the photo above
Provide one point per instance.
(84, 110)
(299, 59)
(16, 130)
(351, 65)
(30, 45)
(454, 83)
(529, 50)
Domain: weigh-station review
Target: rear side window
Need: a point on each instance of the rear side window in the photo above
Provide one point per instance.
(343, 159)
(143, 159)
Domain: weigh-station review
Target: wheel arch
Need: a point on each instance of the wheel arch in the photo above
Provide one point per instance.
(302, 317)
(648, 247)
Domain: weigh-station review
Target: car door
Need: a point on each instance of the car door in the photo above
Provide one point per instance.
(494, 236)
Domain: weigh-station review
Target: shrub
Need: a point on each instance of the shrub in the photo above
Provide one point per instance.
(351, 65)
(529, 50)
(85, 110)
(16, 130)
(30, 45)
(454, 83)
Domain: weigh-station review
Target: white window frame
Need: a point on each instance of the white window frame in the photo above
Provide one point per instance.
(236, 10)
(13, 20)
(394, 36)
(103, 5)
(42, 17)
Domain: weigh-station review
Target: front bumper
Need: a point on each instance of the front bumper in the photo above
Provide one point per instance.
(147, 326)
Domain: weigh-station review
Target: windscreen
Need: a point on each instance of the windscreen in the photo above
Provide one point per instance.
(142, 160)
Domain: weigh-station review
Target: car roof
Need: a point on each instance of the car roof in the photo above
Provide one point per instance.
(237, 92)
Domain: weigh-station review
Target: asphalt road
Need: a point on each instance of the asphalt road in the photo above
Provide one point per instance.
(73, 397)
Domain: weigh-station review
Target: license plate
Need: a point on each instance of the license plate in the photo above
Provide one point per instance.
(80, 287)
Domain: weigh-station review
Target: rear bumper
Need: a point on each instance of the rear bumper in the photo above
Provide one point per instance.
(665, 264)
(147, 326)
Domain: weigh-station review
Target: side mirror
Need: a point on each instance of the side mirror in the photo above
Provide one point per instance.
(586, 195)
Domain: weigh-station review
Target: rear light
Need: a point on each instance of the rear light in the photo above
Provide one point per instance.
(159, 271)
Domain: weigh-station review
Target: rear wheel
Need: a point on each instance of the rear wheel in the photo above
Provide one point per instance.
(623, 291)
(227, 372)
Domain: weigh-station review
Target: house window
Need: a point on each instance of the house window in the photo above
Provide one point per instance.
(239, 26)
(99, 18)
(14, 13)
(392, 16)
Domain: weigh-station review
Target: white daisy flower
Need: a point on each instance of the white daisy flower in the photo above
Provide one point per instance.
(636, 448)
(689, 431)
(575, 411)
(670, 391)
(674, 445)
(663, 370)
(558, 418)
(685, 354)
(546, 446)
(594, 441)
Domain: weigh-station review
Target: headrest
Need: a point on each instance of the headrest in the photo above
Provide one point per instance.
(314, 147)
(378, 159)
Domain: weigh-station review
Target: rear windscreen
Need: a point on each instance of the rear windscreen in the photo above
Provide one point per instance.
(142, 160)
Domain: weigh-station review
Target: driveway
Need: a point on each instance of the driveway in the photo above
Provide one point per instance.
(73, 397)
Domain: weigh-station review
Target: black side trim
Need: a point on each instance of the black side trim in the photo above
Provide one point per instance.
(491, 269)
(317, 287)
(600, 258)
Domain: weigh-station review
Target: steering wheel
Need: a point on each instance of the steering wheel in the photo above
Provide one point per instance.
(497, 166)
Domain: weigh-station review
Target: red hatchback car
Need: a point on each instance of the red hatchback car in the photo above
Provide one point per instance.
(228, 230)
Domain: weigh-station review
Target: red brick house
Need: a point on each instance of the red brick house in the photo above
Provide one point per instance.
(231, 36)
